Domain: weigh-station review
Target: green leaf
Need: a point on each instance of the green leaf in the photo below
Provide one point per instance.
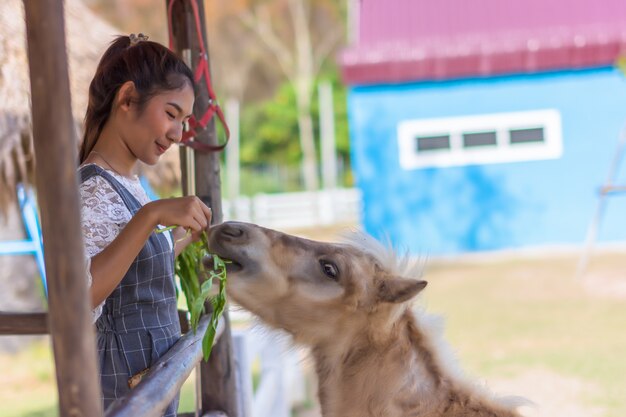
(165, 229)
(207, 286)
(189, 268)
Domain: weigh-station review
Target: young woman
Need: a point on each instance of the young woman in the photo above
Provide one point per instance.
(139, 99)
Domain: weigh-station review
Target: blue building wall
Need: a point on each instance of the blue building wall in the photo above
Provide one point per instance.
(493, 206)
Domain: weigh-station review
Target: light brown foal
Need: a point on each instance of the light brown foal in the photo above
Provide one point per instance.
(351, 304)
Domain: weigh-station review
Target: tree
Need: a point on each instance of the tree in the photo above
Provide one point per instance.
(268, 127)
(254, 45)
(299, 48)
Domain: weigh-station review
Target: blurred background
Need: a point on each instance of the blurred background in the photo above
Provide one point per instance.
(486, 136)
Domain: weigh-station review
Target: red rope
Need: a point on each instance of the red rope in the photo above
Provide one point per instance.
(202, 71)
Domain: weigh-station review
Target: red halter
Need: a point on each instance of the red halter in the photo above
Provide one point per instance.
(202, 70)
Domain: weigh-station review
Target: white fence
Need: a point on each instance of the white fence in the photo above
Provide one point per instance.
(296, 210)
(281, 380)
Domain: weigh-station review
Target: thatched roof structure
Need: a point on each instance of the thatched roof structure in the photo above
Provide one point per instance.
(87, 37)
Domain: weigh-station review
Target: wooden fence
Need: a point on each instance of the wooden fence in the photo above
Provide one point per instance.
(225, 382)
(68, 319)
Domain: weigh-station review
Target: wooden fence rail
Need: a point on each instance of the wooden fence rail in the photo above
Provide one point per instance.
(23, 323)
(15, 323)
(161, 384)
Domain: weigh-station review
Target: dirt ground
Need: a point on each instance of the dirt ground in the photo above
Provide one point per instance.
(553, 394)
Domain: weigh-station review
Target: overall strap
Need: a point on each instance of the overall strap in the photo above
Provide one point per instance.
(91, 170)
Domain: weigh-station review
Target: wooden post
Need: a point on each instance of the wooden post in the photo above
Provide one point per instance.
(73, 338)
(218, 379)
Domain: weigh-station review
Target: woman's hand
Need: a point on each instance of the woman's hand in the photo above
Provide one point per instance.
(187, 212)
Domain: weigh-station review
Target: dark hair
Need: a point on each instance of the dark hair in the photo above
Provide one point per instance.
(152, 67)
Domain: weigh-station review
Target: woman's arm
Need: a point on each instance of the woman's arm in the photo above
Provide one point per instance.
(110, 265)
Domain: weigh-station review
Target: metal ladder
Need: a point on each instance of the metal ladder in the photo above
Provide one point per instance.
(609, 188)
(33, 244)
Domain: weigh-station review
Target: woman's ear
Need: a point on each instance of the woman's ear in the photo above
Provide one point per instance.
(125, 95)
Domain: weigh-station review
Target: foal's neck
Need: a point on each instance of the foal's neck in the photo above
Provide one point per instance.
(364, 374)
(373, 372)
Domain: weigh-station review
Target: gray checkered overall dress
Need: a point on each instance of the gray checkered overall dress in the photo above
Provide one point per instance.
(139, 320)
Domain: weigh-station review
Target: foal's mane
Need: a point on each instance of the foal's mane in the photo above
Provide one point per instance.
(397, 264)
(429, 326)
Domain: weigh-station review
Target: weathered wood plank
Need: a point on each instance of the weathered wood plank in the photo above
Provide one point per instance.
(23, 323)
(72, 332)
(161, 384)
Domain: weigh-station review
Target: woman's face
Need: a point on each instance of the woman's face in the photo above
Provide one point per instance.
(152, 131)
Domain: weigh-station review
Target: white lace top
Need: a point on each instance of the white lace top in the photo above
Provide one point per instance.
(104, 215)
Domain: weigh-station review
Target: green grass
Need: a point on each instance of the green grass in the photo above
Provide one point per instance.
(507, 317)
(187, 401)
(27, 382)
(28, 387)
(502, 319)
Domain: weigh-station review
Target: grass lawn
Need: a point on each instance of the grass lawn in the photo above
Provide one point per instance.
(27, 382)
(503, 318)
(28, 387)
(511, 316)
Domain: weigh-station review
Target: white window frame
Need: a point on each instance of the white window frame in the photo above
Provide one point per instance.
(502, 123)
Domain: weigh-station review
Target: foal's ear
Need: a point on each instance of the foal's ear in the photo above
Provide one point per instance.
(398, 290)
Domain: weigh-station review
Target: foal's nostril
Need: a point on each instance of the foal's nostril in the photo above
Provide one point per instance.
(232, 231)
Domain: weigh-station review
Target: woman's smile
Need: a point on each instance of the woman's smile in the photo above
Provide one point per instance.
(160, 148)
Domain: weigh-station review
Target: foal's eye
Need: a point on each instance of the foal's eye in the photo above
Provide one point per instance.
(329, 269)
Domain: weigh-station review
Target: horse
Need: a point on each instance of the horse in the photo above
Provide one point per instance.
(351, 304)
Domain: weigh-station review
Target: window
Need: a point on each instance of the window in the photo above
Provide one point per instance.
(482, 139)
(526, 135)
(479, 139)
(432, 143)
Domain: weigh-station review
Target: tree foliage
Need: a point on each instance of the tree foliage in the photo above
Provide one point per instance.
(269, 129)
(269, 58)
(300, 44)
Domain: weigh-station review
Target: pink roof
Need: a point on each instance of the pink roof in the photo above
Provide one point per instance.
(414, 40)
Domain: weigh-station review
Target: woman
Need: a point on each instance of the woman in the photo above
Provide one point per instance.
(139, 99)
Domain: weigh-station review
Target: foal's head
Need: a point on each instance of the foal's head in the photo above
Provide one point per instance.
(311, 289)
